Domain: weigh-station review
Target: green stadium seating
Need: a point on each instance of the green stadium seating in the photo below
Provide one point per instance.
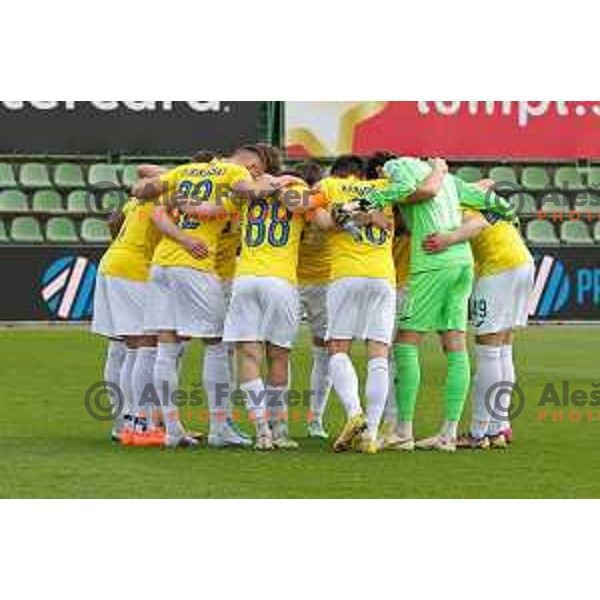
(7, 177)
(597, 233)
(95, 231)
(555, 202)
(542, 233)
(586, 202)
(69, 176)
(594, 178)
(568, 178)
(61, 230)
(4, 239)
(503, 175)
(103, 176)
(576, 233)
(535, 179)
(113, 201)
(47, 201)
(470, 174)
(34, 176)
(526, 204)
(26, 230)
(81, 202)
(13, 201)
(129, 175)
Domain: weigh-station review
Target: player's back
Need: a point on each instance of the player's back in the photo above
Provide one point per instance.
(371, 257)
(499, 248)
(271, 236)
(130, 255)
(198, 183)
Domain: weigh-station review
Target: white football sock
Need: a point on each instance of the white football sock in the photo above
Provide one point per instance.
(489, 374)
(142, 385)
(278, 410)
(390, 414)
(115, 357)
(503, 400)
(230, 409)
(166, 381)
(216, 382)
(256, 399)
(127, 382)
(345, 383)
(378, 382)
(320, 384)
(450, 430)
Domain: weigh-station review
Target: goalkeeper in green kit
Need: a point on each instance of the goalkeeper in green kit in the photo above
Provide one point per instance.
(439, 286)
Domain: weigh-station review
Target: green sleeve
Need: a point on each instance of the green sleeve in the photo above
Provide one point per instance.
(404, 180)
(473, 197)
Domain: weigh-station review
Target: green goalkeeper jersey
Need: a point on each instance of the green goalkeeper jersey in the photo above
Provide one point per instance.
(441, 214)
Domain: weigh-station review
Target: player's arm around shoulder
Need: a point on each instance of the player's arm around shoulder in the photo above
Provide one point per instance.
(473, 224)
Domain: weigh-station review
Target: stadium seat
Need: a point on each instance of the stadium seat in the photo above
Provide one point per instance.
(594, 178)
(586, 202)
(61, 230)
(3, 235)
(503, 175)
(576, 233)
(47, 201)
(113, 201)
(104, 177)
(542, 233)
(7, 177)
(13, 201)
(95, 231)
(34, 176)
(568, 178)
(470, 174)
(535, 179)
(597, 233)
(26, 230)
(555, 202)
(81, 202)
(129, 175)
(68, 176)
(525, 203)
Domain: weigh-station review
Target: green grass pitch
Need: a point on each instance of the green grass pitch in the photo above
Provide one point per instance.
(51, 448)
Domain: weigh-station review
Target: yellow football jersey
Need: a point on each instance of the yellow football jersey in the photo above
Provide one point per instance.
(270, 239)
(499, 248)
(227, 250)
(402, 259)
(314, 261)
(212, 183)
(372, 257)
(130, 255)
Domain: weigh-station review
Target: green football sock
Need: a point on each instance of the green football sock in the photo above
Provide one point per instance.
(457, 385)
(408, 380)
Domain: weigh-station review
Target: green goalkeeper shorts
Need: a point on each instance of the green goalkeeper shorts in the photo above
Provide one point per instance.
(438, 301)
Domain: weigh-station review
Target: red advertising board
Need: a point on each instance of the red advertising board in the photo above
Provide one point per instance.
(494, 129)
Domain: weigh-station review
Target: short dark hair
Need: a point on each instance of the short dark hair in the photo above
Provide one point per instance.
(347, 165)
(204, 156)
(376, 162)
(269, 156)
(311, 172)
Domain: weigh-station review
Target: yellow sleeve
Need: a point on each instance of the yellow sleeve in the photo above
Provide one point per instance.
(325, 188)
(237, 174)
(171, 179)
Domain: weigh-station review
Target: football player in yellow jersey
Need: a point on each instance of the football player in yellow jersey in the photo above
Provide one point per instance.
(361, 300)
(121, 290)
(314, 273)
(499, 305)
(263, 316)
(186, 296)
